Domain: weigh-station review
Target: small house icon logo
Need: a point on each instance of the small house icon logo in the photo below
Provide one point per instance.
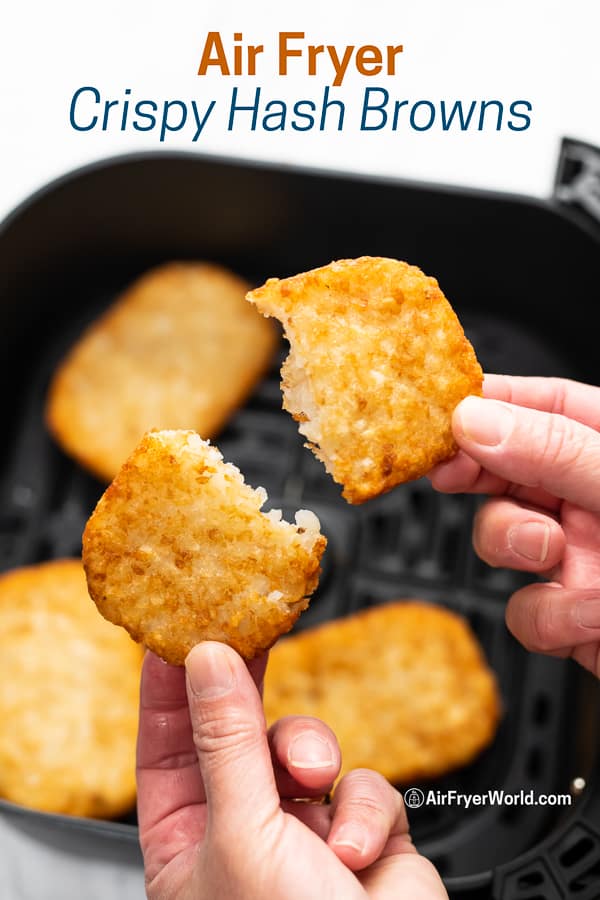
(414, 798)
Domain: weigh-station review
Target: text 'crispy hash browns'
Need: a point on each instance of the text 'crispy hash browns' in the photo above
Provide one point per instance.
(378, 362)
(177, 551)
(404, 686)
(69, 684)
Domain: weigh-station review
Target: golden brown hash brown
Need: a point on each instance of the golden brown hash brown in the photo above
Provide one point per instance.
(69, 685)
(179, 349)
(378, 362)
(404, 686)
(177, 551)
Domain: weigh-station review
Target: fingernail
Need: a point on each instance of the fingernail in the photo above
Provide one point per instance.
(350, 835)
(530, 539)
(484, 421)
(209, 671)
(587, 613)
(309, 750)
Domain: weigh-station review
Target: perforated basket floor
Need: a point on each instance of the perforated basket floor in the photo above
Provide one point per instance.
(409, 543)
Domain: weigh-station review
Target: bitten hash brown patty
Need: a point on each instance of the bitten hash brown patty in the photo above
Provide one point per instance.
(177, 551)
(378, 362)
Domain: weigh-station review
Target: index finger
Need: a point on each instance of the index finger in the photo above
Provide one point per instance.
(561, 396)
(542, 451)
(572, 399)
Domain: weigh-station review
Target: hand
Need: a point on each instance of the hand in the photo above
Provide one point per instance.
(534, 445)
(218, 798)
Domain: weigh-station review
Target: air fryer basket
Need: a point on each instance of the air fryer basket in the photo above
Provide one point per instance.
(517, 271)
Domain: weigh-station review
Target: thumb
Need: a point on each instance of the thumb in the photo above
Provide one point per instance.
(532, 448)
(230, 738)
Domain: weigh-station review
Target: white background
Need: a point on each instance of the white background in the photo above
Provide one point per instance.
(545, 51)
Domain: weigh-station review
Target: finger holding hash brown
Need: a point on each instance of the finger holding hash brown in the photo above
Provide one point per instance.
(69, 684)
(378, 362)
(179, 349)
(404, 686)
(177, 551)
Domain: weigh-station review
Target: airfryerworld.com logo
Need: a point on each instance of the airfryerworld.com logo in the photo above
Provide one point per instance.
(414, 798)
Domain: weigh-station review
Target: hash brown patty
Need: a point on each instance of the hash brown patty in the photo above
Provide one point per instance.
(69, 684)
(179, 349)
(177, 551)
(404, 686)
(378, 362)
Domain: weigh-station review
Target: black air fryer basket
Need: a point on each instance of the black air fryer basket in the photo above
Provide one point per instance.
(521, 274)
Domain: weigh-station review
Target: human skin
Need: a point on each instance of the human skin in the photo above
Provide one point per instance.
(533, 445)
(218, 797)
